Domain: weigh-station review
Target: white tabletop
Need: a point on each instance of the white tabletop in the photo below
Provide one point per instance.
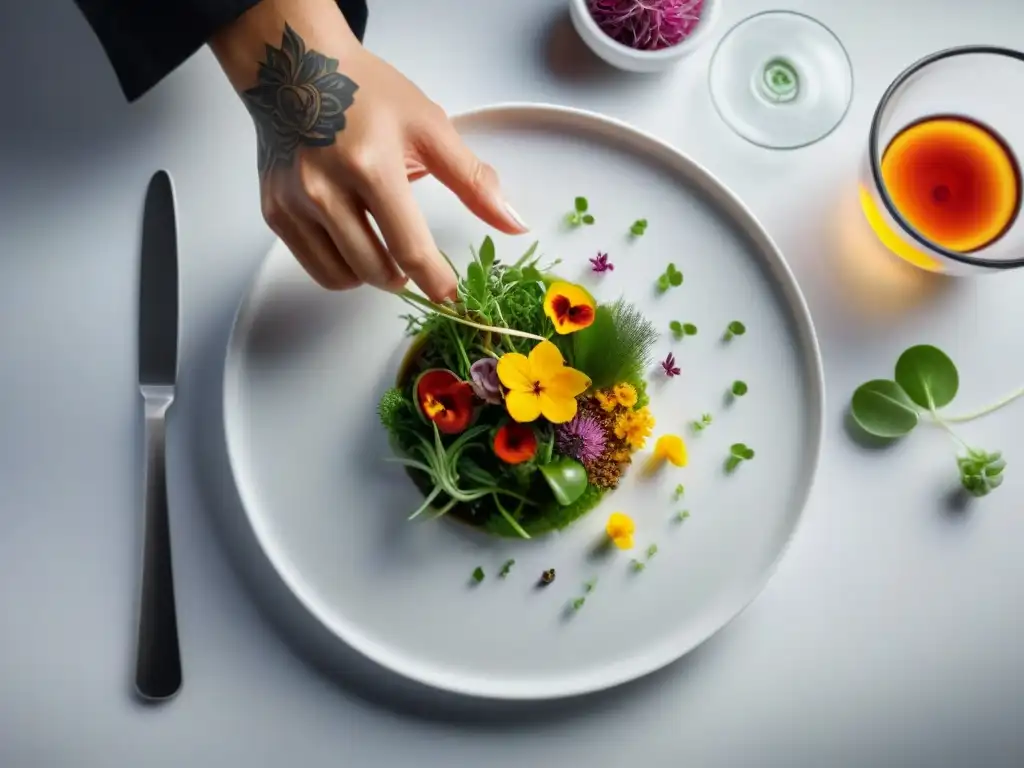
(888, 636)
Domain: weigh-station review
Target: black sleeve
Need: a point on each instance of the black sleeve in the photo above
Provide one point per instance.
(146, 40)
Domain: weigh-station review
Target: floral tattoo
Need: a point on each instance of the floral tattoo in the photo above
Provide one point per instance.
(300, 100)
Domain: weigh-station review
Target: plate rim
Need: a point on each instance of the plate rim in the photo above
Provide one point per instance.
(475, 685)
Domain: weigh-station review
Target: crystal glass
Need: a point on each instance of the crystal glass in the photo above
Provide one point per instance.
(781, 80)
(949, 208)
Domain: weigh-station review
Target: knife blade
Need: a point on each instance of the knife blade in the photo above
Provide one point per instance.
(158, 657)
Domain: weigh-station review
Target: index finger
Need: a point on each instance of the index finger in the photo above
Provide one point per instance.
(407, 236)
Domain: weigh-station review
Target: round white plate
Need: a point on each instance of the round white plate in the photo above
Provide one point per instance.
(305, 368)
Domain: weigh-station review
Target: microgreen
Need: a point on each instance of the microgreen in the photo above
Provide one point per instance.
(926, 380)
(478, 574)
(578, 602)
(682, 514)
(735, 328)
(739, 388)
(637, 565)
(589, 586)
(652, 551)
(679, 491)
(679, 330)
(638, 228)
(702, 423)
(506, 569)
(670, 278)
(738, 453)
(579, 214)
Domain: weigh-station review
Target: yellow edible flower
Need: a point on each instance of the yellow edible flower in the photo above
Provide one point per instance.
(606, 400)
(541, 384)
(620, 529)
(625, 393)
(671, 447)
(634, 427)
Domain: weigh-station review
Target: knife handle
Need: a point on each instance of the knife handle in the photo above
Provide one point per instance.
(158, 660)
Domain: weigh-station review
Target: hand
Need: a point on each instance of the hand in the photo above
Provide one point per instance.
(341, 135)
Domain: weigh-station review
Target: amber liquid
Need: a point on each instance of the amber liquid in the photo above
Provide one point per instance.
(954, 180)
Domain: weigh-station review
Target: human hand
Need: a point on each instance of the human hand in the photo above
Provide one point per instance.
(341, 135)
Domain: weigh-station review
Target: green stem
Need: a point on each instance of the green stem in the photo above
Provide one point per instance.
(510, 519)
(986, 410)
(421, 302)
(956, 438)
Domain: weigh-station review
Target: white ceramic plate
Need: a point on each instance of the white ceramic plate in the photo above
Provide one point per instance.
(306, 367)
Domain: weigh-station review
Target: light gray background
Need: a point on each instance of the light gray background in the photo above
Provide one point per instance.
(890, 636)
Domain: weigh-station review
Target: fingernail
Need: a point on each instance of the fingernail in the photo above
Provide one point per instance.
(516, 217)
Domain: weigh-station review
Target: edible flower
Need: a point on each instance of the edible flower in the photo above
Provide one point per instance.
(515, 443)
(484, 380)
(444, 399)
(541, 384)
(620, 529)
(669, 364)
(672, 449)
(600, 263)
(634, 427)
(582, 438)
(625, 394)
(569, 307)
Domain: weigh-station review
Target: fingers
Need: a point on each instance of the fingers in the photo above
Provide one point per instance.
(390, 200)
(473, 181)
(313, 249)
(357, 244)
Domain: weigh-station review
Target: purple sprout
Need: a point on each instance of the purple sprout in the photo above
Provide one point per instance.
(600, 263)
(669, 364)
(647, 25)
(582, 438)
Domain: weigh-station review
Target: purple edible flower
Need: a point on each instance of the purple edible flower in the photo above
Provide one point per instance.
(582, 439)
(669, 364)
(600, 263)
(484, 380)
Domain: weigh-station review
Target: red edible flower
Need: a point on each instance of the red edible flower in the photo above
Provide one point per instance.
(445, 399)
(669, 364)
(515, 443)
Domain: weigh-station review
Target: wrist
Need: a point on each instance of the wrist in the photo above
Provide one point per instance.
(241, 46)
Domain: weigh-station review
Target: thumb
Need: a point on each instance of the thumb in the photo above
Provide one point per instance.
(475, 183)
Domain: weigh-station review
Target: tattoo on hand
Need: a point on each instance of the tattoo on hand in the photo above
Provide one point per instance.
(300, 100)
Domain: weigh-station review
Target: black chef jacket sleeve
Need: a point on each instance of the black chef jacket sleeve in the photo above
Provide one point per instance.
(146, 40)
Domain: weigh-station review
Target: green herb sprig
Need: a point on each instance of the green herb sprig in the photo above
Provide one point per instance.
(506, 569)
(638, 228)
(670, 278)
(580, 213)
(926, 380)
(679, 330)
(679, 491)
(738, 453)
(682, 515)
(478, 574)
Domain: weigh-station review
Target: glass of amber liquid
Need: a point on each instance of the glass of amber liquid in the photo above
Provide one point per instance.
(942, 185)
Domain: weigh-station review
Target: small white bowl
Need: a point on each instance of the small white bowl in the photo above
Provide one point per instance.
(630, 59)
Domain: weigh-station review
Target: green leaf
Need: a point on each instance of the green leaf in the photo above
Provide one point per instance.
(487, 254)
(736, 328)
(616, 346)
(476, 283)
(882, 408)
(677, 329)
(567, 479)
(690, 329)
(928, 376)
(528, 255)
(738, 450)
(532, 275)
(581, 204)
(663, 284)
(588, 219)
(506, 569)
(478, 574)
(675, 279)
(739, 388)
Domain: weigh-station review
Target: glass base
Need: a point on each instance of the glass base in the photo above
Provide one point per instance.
(781, 80)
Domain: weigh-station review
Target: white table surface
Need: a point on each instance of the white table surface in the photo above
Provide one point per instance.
(888, 637)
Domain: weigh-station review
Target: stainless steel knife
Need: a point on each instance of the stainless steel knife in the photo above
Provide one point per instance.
(158, 659)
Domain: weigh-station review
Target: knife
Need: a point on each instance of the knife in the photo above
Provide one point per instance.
(158, 658)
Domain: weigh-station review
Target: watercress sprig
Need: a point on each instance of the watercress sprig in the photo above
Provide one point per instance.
(925, 381)
(579, 214)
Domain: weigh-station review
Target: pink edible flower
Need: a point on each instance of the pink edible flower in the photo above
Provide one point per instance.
(669, 364)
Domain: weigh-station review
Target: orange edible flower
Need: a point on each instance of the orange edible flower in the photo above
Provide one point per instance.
(515, 443)
(445, 399)
(620, 529)
(569, 307)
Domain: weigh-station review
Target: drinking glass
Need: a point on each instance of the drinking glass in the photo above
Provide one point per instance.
(959, 209)
(781, 80)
